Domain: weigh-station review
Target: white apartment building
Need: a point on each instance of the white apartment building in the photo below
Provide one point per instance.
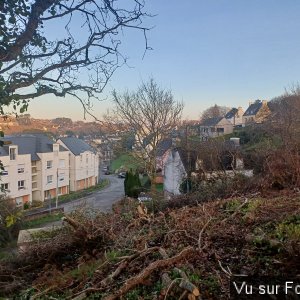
(52, 173)
(16, 178)
(46, 167)
(83, 163)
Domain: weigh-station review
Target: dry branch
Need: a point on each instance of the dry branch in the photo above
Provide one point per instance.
(200, 234)
(123, 265)
(74, 223)
(157, 265)
(236, 212)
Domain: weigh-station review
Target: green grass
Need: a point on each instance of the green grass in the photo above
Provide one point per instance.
(41, 221)
(125, 160)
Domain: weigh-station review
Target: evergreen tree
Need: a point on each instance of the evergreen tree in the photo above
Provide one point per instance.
(132, 184)
(126, 184)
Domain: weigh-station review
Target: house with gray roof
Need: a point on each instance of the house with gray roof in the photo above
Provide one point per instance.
(257, 112)
(214, 127)
(84, 163)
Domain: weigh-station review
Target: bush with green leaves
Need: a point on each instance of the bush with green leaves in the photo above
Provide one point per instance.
(11, 219)
(132, 184)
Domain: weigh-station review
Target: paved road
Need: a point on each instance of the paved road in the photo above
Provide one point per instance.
(102, 199)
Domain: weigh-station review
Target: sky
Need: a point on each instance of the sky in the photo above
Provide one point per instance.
(225, 52)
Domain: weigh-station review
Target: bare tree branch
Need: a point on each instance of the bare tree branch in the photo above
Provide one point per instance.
(152, 114)
(32, 65)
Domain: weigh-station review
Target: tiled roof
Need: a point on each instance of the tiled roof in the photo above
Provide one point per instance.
(253, 108)
(188, 159)
(211, 121)
(163, 146)
(76, 146)
(231, 113)
(29, 144)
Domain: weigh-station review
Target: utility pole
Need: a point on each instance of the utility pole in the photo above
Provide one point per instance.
(56, 200)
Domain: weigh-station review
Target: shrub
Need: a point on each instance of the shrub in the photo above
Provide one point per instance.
(132, 184)
(10, 220)
(218, 187)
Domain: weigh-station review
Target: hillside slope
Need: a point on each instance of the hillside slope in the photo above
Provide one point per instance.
(163, 256)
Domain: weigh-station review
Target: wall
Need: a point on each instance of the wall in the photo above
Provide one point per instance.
(56, 168)
(174, 173)
(13, 176)
(82, 167)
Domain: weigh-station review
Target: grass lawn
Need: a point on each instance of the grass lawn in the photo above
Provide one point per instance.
(126, 160)
(42, 220)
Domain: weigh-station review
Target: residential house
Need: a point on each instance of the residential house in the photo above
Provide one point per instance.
(257, 112)
(49, 166)
(214, 127)
(235, 116)
(16, 176)
(84, 163)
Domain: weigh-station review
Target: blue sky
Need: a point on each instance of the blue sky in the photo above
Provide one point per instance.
(226, 52)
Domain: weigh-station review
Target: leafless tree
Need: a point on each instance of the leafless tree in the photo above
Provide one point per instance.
(78, 62)
(152, 114)
(285, 117)
(282, 165)
(214, 111)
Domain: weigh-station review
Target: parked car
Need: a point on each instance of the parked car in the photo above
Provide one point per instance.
(107, 172)
(143, 197)
(122, 175)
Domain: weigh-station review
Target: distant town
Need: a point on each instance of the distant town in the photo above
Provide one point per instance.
(51, 158)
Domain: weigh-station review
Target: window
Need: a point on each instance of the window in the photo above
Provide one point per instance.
(49, 179)
(61, 163)
(4, 187)
(220, 130)
(59, 191)
(19, 201)
(21, 168)
(87, 159)
(49, 164)
(61, 176)
(12, 153)
(47, 194)
(4, 172)
(21, 184)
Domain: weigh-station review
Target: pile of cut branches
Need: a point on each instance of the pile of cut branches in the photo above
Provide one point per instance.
(186, 253)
